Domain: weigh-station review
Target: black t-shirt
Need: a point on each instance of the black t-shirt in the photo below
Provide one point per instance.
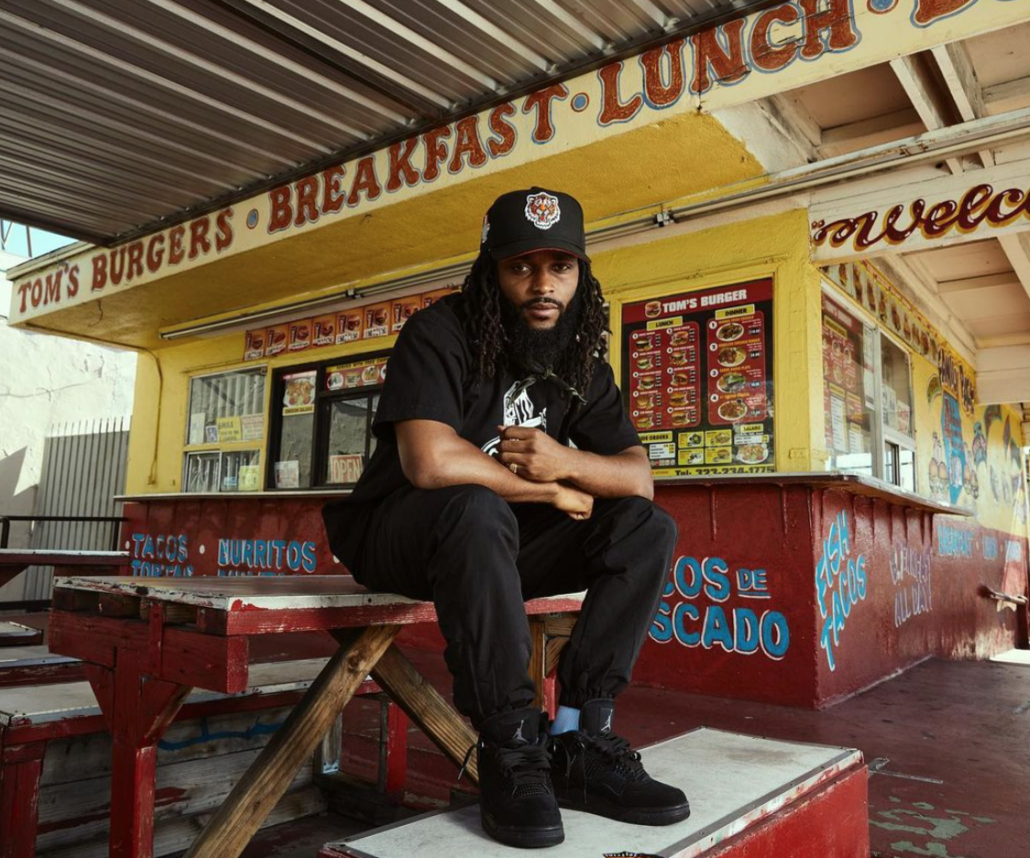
(431, 376)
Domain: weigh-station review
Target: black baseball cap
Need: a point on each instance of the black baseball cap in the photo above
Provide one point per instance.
(520, 222)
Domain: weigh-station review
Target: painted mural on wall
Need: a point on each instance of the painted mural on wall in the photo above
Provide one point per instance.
(783, 47)
(969, 455)
(974, 460)
(694, 610)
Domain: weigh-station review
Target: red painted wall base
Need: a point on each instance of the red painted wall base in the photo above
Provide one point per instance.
(830, 823)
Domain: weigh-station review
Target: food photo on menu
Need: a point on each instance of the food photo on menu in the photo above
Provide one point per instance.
(702, 361)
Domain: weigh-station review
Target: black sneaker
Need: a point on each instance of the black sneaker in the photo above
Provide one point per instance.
(596, 771)
(516, 801)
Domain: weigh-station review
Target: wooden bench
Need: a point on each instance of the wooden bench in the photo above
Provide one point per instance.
(14, 561)
(748, 796)
(71, 794)
(15, 634)
(147, 642)
(36, 665)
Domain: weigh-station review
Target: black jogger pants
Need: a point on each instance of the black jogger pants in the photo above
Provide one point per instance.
(477, 558)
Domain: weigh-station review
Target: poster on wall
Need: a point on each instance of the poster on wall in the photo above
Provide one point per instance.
(697, 379)
(847, 388)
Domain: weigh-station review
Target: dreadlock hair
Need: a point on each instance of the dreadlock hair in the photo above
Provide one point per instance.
(487, 337)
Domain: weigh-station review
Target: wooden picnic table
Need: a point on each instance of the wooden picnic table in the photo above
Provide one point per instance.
(147, 642)
(14, 561)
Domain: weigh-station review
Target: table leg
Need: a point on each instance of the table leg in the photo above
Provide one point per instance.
(20, 769)
(393, 748)
(424, 705)
(137, 709)
(229, 831)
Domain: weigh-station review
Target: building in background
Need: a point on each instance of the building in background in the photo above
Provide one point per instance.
(48, 382)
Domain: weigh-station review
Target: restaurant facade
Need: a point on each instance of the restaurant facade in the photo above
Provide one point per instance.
(849, 502)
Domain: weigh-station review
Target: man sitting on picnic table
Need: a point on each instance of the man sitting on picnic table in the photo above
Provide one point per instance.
(506, 469)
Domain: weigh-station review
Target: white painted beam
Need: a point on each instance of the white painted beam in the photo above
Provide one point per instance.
(1018, 253)
(790, 114)
(1003, 375)
(895, 125)
(1011, 95)
(973, 284)
(960, 77)
(916, 78)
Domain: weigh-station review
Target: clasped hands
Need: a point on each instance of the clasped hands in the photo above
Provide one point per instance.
(536, 456)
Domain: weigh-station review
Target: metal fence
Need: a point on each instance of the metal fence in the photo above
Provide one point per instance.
(83, 469)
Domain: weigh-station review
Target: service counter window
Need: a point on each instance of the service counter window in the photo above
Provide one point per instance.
(867, 398)
(849, 389)
(899, 455)
(224, 430)
(322, 422)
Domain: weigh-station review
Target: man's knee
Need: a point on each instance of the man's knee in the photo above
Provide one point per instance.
(476, 512)
(650, 518)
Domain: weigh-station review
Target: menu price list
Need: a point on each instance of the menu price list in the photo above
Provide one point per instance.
(697, 379)
(664, 376)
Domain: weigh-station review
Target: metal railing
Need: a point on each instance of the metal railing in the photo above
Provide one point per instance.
(5, 524)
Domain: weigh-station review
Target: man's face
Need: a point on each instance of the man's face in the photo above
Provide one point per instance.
(539, 285)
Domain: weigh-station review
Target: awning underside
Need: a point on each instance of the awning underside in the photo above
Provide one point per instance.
(119, 117)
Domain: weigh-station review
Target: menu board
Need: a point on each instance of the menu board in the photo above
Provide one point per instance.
(361, 373)
(697, 379)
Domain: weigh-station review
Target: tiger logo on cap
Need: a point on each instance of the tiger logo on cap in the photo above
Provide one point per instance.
(542, 210)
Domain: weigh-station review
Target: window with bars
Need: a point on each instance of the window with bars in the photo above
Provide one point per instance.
(225, 428)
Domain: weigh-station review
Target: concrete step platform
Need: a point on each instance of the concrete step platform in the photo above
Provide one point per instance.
(749, 797)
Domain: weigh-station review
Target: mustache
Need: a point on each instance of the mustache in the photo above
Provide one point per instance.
(535, 302)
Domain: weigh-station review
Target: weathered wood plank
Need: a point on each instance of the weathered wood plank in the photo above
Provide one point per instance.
(424, 705)
(205, 661)
(174, 834)
(84, 757)
(230, 829)
(560, 626)
(183, 788)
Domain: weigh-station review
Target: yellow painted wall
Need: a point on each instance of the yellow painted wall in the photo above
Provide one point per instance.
(774, 246)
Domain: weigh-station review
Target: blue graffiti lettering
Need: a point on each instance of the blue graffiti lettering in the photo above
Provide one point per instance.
(265, 556)
(841, 582)
(687, 566)
(954, 541)
(733, 630)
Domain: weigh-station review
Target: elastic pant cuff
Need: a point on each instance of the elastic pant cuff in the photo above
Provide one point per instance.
(577, 698)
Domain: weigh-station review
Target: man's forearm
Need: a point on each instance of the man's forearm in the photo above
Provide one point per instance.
(625, 474)
(462, 463)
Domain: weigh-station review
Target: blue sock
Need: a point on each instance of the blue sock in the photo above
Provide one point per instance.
(565, 721)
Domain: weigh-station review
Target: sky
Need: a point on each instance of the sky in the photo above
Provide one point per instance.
(16, 242)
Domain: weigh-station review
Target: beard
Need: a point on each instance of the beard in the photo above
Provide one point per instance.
(550, 347)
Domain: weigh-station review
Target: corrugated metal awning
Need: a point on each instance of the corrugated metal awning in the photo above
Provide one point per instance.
(119, 117)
